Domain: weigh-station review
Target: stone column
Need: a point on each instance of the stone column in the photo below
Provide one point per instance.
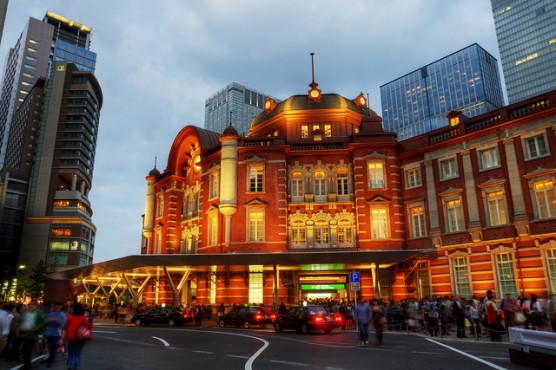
(520, 219)
(432, 205)
(474, 227)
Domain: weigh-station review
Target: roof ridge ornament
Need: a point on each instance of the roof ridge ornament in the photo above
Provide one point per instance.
(315, 94)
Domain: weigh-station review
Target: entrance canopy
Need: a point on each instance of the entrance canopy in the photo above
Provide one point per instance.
(150, 263)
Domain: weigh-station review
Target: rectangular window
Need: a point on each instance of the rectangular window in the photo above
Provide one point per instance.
(423, 281)
(417, 221)
(213, 229)
(462, 286)
(342, 183)
(448, 168)
(160, 206)
(256, 225)
(256, 283)
(256, 178)
(535, 146)
(454, 215)
(545, 199)
(413, 177)
(379, 222)
(320, 183)
(496, 208)
(551, 267)
(376, 174)
(488, 158)
(327, 130)
(304, 131)
(505, 274)
(322, 232)
(298, 190)
(214, 185)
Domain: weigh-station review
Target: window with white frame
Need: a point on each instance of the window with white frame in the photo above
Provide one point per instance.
(460, 273)
(545, 198)
(505, 274)
(256, 283)
(417, 220)
(256, 224)
(298, 232)
(496, 207)
(413, 177)
(379, 222)
(212, 238)
(214, 180)
(448, 168)
(345, 231)
(160, 205)
(322, 232)
(185, 205)
(256, 177)
(375, 170)
(342, 183)
(488, 158)
(454, 215)
(535, 146)
(551, 267)
(320, 183)
(422, 279)
(298, 186)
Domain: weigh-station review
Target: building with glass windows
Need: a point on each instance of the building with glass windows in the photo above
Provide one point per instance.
(467, 81)
(235, 104)
(526, 34)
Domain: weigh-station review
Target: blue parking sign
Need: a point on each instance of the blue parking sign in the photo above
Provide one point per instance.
(354, 277)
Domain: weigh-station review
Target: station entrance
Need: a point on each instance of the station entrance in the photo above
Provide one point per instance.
(313, 287)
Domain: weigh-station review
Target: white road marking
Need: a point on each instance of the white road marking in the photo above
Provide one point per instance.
(204, 352)
(105, 331)
(494, 366)
(426, 353)
(166, 344)
(288, 363)
(237, 356)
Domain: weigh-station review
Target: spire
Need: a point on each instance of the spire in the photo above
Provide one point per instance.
(315, 95)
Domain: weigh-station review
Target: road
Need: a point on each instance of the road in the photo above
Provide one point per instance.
(120, 347)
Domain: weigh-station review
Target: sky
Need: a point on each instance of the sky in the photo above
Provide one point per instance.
(158, 61)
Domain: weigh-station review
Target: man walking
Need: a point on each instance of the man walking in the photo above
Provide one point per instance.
(363, 315)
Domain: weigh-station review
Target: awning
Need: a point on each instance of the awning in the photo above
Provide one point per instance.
(147, 263)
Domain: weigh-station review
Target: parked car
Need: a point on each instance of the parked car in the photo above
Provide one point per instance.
(308, 318)
(170, 316)
(246, 316)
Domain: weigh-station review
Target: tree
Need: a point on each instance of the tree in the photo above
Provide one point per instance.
(38, 278)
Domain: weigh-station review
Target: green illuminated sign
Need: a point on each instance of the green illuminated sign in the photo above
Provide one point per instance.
(322, 286)
(324, 267)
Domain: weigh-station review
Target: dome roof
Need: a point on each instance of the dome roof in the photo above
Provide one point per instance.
(301, 102)
(230, 131)
(154, 172)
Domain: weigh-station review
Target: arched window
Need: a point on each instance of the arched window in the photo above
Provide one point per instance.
(345, 231)
(322, 232)
(298, 232)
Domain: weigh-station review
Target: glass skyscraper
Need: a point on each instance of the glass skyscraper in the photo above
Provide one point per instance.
(526, 32)
(235, 103)
(467, 81)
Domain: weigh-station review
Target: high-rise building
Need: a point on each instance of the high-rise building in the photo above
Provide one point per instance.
(236, 104)
(3, 11)
(54, 39)
(526, 34)
(467, 81)
(58, 227)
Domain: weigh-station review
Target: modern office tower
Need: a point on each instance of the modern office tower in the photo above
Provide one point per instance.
(58, 226)
(3, 11)
(526, 33)
(467, 81)
(55, 38)
(236, 104)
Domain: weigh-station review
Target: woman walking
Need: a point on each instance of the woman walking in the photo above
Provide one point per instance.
(75, 323)
(379, 319)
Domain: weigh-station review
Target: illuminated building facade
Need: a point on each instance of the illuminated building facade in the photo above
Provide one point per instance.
(236, 104)
(526, 34)
(467, 81)
(462, 209)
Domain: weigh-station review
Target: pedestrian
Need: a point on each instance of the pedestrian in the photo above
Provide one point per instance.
(343, 313)
(54, 321)
(379, 320)
(282, 308)
(198, 315)
(74, 322)
(492, 313)
(458, 310)
(27, 326)
(363, 315)
(4, 328)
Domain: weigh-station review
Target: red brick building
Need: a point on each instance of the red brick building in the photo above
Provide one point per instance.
(460, 210)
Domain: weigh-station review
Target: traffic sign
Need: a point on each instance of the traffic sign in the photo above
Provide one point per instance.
(354, 277)
(355, 286)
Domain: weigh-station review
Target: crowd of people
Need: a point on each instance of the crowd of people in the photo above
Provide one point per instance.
(31, 329)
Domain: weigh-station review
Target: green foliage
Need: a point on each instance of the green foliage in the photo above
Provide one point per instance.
(38, 278)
